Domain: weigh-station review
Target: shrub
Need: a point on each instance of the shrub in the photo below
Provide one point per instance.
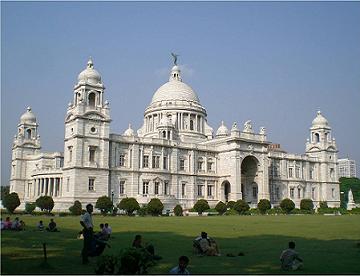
(201, 205)
(323, 204)
(231, 212)
(45, 203)
(254, 211)
(11, 202)
(142, 211)
(241, 207)
(264, 205)
(76, 209)
(114, 211)
(178, 210)
(306, 204)
(230, 204)
(155, 207)
(30, 207)
(355, 211)
(129, 205)
(287, 205)
(275, 211)
(104, 204)
(221, 207)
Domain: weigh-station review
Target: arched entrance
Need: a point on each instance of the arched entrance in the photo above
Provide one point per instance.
(249, 187)
(225, 191)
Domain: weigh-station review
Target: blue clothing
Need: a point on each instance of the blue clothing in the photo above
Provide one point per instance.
(176, 271)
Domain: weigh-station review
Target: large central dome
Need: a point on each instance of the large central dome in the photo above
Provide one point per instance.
(175, 90)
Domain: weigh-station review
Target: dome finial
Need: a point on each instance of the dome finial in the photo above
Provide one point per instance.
(90, 63)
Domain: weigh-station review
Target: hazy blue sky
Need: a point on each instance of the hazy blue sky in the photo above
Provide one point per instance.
(274, 63)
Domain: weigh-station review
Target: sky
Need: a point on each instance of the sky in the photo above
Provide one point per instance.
(275, 63)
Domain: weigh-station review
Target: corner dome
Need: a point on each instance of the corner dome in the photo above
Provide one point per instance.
(222, 130)
(28, 117)
(175, 90)
(320, 121)
(90, 75)
(129, 131)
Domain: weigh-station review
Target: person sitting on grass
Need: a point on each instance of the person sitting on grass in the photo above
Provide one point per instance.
(290, 259)
(108, 229)
(16, 224)
(137, 243)
(102, 234)
(180, 269)
(52, 226)
(22, 225)
(208, 246)
(40, 226)
(7, 223)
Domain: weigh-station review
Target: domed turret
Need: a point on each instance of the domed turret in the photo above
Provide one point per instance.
(129, 131)
(90, 75)
(222, 130)
(320, 121)
(28, 117)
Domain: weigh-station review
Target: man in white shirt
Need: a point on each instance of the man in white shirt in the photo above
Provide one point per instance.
(87, 224)
(108, 229)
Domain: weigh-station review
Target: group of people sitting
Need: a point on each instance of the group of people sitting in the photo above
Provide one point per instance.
(16, 225)
(51, 227)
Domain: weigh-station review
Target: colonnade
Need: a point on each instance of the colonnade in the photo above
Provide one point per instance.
(50, 186)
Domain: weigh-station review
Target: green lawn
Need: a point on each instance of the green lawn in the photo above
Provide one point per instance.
(328, 244)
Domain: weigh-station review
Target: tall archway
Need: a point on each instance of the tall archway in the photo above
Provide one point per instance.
(225, 191)
(249, 187)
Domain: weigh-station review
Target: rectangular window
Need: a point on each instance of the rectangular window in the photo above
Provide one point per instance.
(299, 193)
(297, 172)
(210, 166)
(91, 184)
(333, 193)
(311, 172)
(67, 184)
(166, 187)
(183, 190)
(254, 190)
(70, 153)
(122, 160)
(277, 192)
(122, 187)
(200, 190)
(313, 193)
(156, 162)
(145, 187)
(290, 172)
(200, 165)
(292, 192)
(182, 165)
(146, 161)
(92, 154)
(165, 163)
(130, 159)
(156, 188)
(210, 189)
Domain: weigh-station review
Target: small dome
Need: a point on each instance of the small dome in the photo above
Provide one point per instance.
(129, 131)
(28, 117)
(320, 120)
(222, 130)
(90, 75)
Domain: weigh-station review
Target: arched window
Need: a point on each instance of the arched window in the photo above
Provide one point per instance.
(191, 124)
(164, 134)
(317, 138)
(28, 133)
(92, 99)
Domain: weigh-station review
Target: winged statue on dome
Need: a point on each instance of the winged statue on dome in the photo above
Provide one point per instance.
(175, 56)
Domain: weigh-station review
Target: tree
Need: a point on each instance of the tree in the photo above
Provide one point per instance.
(104, 204)
(347, 183)
(5, 190)
(230, 204)
(201, 205)
(30, 207)
(178, 210)
(11, 202)
(306, 204)
(287, 205)
(241, 206)
(264, 205)
(155, 207)
(221, 207)
(76, 209)
(129, 205)
(45, 203)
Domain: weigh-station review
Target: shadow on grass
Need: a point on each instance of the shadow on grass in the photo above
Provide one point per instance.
(22, 253)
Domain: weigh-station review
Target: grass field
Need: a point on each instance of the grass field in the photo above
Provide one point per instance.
(328, 244)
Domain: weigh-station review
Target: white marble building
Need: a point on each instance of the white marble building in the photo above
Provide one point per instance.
(175, 155)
